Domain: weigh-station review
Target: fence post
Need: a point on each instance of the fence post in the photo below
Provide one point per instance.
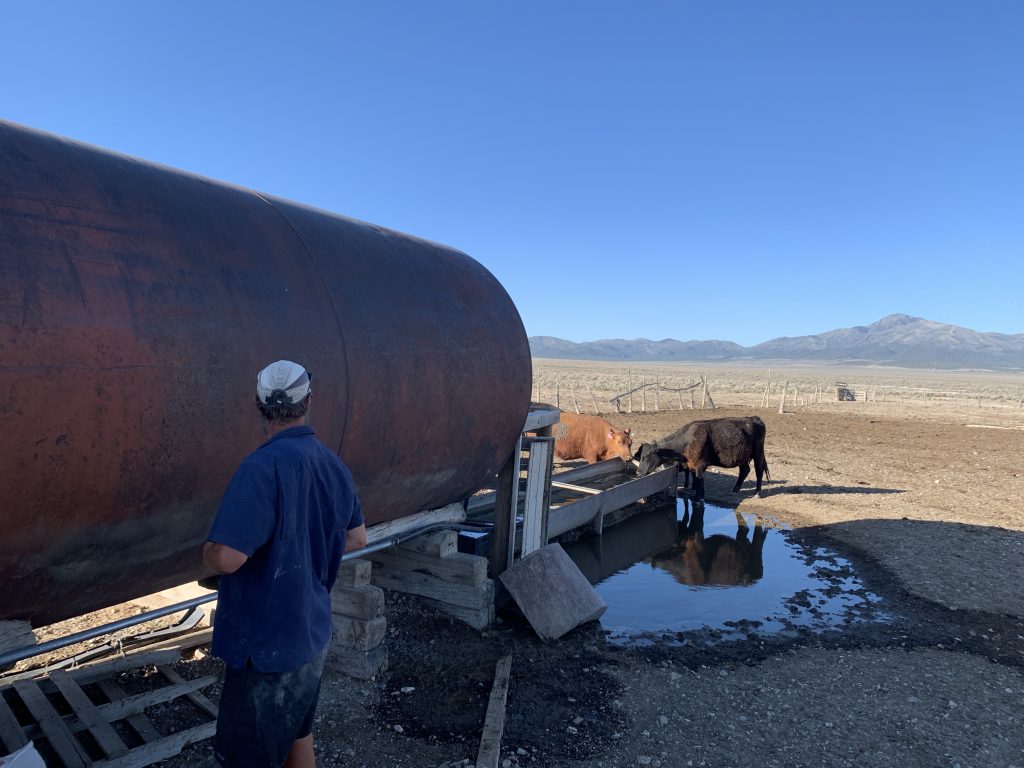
(657, 395)
(643, 394)
(691, 398)
(782, 400)
(629, 386)
(593, 399)
(704, 396)
(572, 391)
(680, 393)
(558, 402)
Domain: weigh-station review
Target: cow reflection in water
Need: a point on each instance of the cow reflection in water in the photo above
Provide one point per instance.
(718, 560)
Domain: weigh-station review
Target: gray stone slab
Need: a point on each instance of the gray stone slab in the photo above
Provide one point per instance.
(552, 592)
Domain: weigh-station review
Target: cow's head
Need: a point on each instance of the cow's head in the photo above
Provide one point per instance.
(650, 457)
(620, 444)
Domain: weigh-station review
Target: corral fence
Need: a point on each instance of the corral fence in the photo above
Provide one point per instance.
(629, 391)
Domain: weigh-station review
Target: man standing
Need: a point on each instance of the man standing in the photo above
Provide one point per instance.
(288, 515)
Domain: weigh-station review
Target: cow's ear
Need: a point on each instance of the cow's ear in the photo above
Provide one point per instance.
(611, 434)
(626, 430)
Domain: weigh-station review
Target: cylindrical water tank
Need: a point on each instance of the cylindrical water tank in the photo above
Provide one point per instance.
(137, 304)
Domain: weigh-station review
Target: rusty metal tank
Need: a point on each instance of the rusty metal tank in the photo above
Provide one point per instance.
(138, 302)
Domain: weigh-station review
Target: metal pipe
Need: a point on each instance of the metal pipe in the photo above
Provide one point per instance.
(13, 657)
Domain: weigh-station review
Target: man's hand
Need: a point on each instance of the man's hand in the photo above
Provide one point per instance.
(222, 559)
(355, 538)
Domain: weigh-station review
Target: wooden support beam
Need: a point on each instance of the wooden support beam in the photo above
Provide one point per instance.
(358, 634)
(506, 504)
(353, 573)
(494, 722)
(117, 710)
(457, 568)
(364, 602)
(425, 585)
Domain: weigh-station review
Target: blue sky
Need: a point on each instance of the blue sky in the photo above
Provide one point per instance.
(735, 170)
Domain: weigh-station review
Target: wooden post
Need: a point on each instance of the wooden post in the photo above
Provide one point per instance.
(680, 393)
(707, 391)
(572, 391)
(558, 403)
(593, 399)
(691, 398)
(618, 408)
(782, 400)
(657, 394)
(629, 386)
(767, 388)
(704, 396)
(643, 394)
(506, 503)
(536, 392)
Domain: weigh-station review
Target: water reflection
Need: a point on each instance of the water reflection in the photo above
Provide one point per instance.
(718, 560)
(703, 566)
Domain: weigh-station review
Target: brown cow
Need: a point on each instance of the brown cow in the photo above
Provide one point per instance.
(581, 436)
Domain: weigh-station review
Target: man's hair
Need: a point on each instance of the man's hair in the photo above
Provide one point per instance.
(278, 412)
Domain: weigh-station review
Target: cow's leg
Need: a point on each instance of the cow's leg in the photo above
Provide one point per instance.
(744, 471)
(760, 468)
(698, 481)
(741, 525)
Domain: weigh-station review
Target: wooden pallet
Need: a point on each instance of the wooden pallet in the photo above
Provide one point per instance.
(42, 698)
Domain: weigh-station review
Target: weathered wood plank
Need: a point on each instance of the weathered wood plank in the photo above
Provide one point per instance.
(453, 513)
(536, 504)
(354, 573)
(506, 504)
(196, 698)
(117, 710)
(438, 544)
(12, 735)
(365, 602)
(87, 712)
(538, 418)
(57, 733)
(458, 567)
(577, 513)
(358, 634)
(477, 618)
(139, 723)
(425, 585)
(162, 749)
(494, 722)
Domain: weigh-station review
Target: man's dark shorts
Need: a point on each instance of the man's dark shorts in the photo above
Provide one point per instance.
(262, 714)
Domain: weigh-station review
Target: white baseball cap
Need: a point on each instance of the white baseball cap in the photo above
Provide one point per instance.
(282, 383)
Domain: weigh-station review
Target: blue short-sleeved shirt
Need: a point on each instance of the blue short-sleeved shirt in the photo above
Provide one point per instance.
(287, 508)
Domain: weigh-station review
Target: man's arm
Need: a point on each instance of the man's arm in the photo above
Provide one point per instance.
(355, 538)
(223, 559)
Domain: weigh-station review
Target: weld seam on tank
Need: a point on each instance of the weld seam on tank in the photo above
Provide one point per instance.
(334, 311)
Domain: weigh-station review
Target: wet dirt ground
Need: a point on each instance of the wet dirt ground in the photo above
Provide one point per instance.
(922, 512)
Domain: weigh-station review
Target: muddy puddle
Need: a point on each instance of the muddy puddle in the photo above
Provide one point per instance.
(711, 572)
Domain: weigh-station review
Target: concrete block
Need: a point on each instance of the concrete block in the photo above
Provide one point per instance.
(552, 592)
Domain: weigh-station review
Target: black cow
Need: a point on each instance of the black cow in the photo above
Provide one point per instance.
(711, 443)
(718, 560)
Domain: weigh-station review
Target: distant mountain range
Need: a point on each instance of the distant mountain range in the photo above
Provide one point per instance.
(898, 340)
